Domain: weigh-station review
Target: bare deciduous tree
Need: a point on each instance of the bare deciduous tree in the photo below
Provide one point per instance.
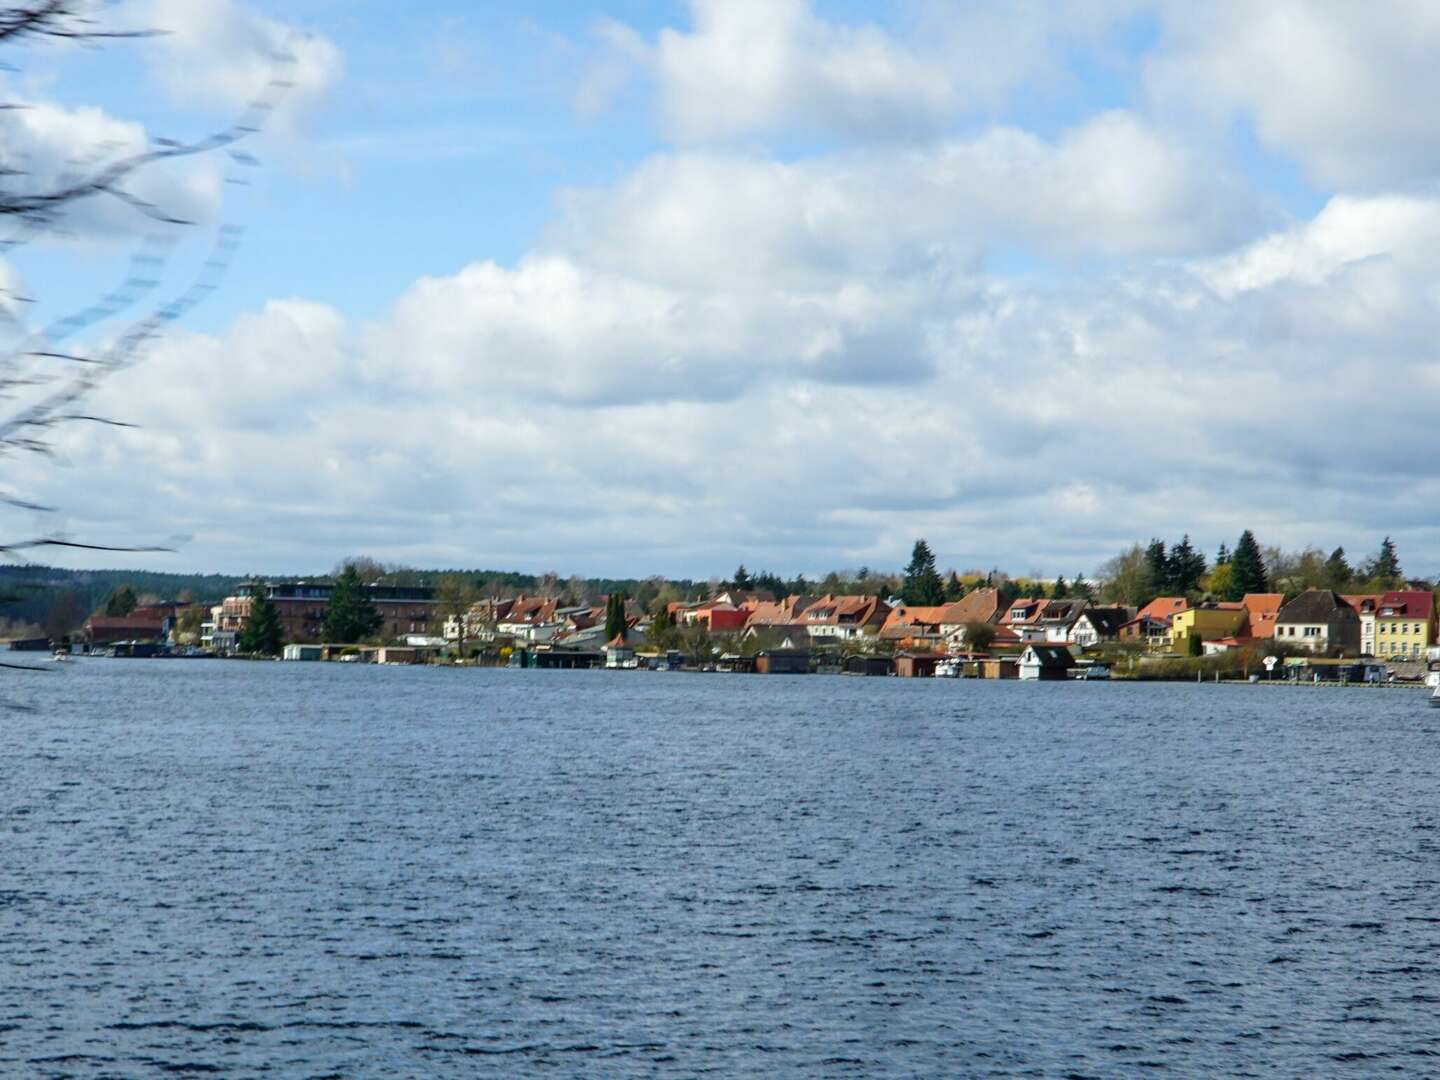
(47, 373)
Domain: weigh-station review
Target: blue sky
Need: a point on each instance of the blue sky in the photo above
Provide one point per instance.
(614, 287)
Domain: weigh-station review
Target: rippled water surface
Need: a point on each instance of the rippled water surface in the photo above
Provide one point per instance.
(327, 870)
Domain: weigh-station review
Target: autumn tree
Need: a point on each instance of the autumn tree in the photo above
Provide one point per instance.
(979, 636)
(1125, 579)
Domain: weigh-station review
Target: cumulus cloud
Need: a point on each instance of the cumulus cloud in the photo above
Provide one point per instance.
(808, 362)
(745, 67)
(50, 147)
(222, 53)
(1340, 87)
(544, 416)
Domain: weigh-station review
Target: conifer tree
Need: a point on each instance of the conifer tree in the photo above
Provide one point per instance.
(954, 588)
(615, 621)
(1185, 567)
(1384, 568)
(1060, 590)
(743, 582)
(1082, 588)
(1338, 573)
(1247, 568)
(1157, 570)
(1223, 555)
(923, 585)
(262, 634)
(121, 602)
(351, 616)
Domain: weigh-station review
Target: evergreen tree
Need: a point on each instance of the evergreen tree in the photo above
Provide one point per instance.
(923, 585)
(615, 622)
(1337, 570)
(1060, 590)
(954, 588)
(1223, 555)
(262, 634)
(1157, 570)
(1247, 568)
(121, 602)
(1384, 568)
(351, 616)
(663, 633)
(771, 583)
(1185, 567)
(743, 581)
(799, 586)
(1082, 588)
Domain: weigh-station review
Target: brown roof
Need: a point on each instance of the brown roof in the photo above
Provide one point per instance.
(1314, 605)
(982, 605)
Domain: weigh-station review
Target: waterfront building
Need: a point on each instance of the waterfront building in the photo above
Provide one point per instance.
(1319, 621)
(302, 606)
(1404, 624)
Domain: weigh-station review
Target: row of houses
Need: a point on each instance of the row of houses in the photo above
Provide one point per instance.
(1391, 625)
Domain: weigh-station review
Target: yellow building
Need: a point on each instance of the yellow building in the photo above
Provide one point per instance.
(1207, 622)
(1404, 624)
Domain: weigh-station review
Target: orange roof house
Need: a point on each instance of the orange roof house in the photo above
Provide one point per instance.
(1261, 609)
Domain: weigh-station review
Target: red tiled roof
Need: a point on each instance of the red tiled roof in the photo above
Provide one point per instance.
(1408, 604)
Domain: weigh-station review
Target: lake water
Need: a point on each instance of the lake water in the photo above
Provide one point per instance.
(333, 870)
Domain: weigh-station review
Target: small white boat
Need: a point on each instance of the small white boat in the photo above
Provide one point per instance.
(948, 669)
(1435, 699)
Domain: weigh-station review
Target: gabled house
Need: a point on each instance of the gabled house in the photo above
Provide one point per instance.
(845, 617)
(980, 606)
(1098, 624)
(771, 614)
(530, 619)
(1057, 619)
(1405, 624)
(914, 627)
(1320, 621)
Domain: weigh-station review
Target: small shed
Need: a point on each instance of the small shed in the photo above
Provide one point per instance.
(1040, 661)
(869, 665)
(783, 662)
(917, 665)
(304, 652)
(1006, 667)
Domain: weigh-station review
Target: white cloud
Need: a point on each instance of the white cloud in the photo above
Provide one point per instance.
(1341, 87)
(52, 147)
(760, 64)
(221, 53)
(552, 414)
(744, 67)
